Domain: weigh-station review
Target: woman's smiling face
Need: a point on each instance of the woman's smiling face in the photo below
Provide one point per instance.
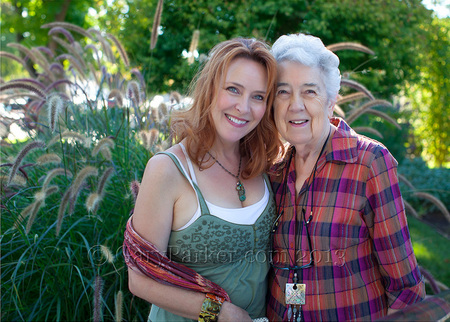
(301, 108)
(241, 101)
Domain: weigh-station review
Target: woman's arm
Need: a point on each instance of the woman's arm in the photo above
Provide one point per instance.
(179, 301)
(161, 187)
(390, 234)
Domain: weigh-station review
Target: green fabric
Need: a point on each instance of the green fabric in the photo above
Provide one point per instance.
(231, 255)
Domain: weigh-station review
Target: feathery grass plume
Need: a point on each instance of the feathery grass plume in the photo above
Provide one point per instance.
(358, 112)
(134, 187)
(117, 95)
(106, 153)
(403, 179)
(28, 53)
(61, 30)
(193, 45)
(53, 173)
(104, 179)
(94, 49)
(107, 254)
(92, 202)
(30, 80)
(119, 307)
(339, 111)
(57, 83)
(435, 201)
(163, 111)
(57, 66)
(357, 86)
(122, 52)
(139, 76)
(367, 129)
(155, 115)
(24, 214)
(156, 24)
(385, 117)
(68, 26)
(45, 192)
(77, 137)
(37, 205)
(153, 136)
(351, 98)
(105, 44)
(46, 50)
(54, 107)
(73, 62)
(410, 210)
(133, 92)
(86, 172)
(29, 87)
(144, 138)
(4, 130)
(62, 209)
(105, 143)
(175, 96)
(350, 46)
(48, 158)
(42, 60)
(18, 180)
(13, 57)
(30, 146)
(70, 49)
(98, 303)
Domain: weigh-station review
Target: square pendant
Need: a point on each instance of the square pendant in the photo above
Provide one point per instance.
(295, 293)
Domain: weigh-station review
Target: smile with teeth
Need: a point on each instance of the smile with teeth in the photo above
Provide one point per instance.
(235, 120)
(298, 122)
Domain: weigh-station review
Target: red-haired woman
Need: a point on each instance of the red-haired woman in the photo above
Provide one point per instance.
(206, 202)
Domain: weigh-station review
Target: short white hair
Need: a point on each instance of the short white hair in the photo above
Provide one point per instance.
(310, 51)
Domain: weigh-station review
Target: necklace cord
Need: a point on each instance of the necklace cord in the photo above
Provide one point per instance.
(306, 222)
(239, 186)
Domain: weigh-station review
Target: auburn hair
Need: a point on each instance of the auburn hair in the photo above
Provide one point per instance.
(261, 146)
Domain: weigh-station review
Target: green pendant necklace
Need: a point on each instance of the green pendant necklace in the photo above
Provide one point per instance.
(239, 186)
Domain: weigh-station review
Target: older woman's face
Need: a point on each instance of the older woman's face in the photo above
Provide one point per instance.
(301, 107)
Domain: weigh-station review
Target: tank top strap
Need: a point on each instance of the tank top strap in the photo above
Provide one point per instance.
(203, 207)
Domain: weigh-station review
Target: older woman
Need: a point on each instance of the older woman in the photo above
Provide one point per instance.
(341, 246)
(203, 214)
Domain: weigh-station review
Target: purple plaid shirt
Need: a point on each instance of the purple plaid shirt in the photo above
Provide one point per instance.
(363, 258)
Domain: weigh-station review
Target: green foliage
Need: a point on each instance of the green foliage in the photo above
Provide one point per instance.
(430, 250)
(60, 235)
(435, 181)
(390, 28)
(430, 99)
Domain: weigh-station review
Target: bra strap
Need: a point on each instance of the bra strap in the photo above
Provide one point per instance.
(203, 207)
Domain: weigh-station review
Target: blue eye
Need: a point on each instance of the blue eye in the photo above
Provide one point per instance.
(233, 90)
(259, 97)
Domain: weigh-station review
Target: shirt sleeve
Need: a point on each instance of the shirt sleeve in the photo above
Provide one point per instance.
(393, 249)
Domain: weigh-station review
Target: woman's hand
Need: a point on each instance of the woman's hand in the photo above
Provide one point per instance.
(231, 312)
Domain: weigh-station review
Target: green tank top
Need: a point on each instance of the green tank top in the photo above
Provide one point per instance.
(234, 256)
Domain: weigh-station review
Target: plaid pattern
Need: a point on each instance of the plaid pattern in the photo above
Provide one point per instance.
(143, 256)
(433, 308)
(363, 257)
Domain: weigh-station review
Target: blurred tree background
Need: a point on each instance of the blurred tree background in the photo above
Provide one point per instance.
(411, 66)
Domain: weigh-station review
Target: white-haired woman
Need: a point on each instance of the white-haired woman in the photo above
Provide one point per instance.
(341, 245)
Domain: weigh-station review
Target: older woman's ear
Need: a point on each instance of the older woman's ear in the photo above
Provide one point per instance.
(331, 106)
